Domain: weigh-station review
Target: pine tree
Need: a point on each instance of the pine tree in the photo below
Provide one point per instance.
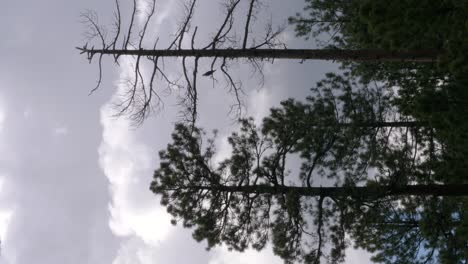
(431, 93)
(374, 182)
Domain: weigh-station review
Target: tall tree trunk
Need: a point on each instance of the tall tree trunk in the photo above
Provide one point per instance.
(356, 192)
(376, 124)
(302, 54)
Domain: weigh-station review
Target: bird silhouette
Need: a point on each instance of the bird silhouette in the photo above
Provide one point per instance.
(209, 73)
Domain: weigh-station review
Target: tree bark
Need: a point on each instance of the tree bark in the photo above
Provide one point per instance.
(355, 192)
(302, 54)
(377, 124)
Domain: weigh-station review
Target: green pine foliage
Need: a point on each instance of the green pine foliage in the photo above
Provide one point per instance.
(347, 133)
(377, 124)
(435, 94)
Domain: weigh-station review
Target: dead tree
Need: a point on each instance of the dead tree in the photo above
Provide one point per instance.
(221, 49)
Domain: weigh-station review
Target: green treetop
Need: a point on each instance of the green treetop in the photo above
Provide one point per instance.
(361, 170)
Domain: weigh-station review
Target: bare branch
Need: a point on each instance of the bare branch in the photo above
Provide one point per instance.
(118, 25)
(130, 27)
(247, 23)
(185, 25)
(95, 30)
(142, 86)
(100, 76)
(233, 87)
(147, 21)
(228, 22)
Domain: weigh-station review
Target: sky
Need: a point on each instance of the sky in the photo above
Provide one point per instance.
(74, 179)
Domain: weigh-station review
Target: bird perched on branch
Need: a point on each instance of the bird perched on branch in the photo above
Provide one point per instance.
(209, 73)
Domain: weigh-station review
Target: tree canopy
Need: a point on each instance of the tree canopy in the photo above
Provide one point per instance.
(350, 140)
(376, 145)
(434, 93)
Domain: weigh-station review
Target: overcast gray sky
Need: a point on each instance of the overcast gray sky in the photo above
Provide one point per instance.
(73, 179)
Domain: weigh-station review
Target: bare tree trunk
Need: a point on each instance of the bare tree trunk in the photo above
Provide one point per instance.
(302, 54)
(356, 192)
(223, 47)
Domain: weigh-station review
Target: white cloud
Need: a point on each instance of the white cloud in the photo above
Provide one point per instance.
(2, 120)
(6, 210)
(357, 256)
(5, 216)
(2, 115)
(60, 130)
(134, 251)
(251, 256)
(223, 148)
(27, 113)
(259, 104)
(126, 162)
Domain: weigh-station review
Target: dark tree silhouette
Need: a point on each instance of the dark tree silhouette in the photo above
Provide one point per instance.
(376, 175)
(222, 48)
